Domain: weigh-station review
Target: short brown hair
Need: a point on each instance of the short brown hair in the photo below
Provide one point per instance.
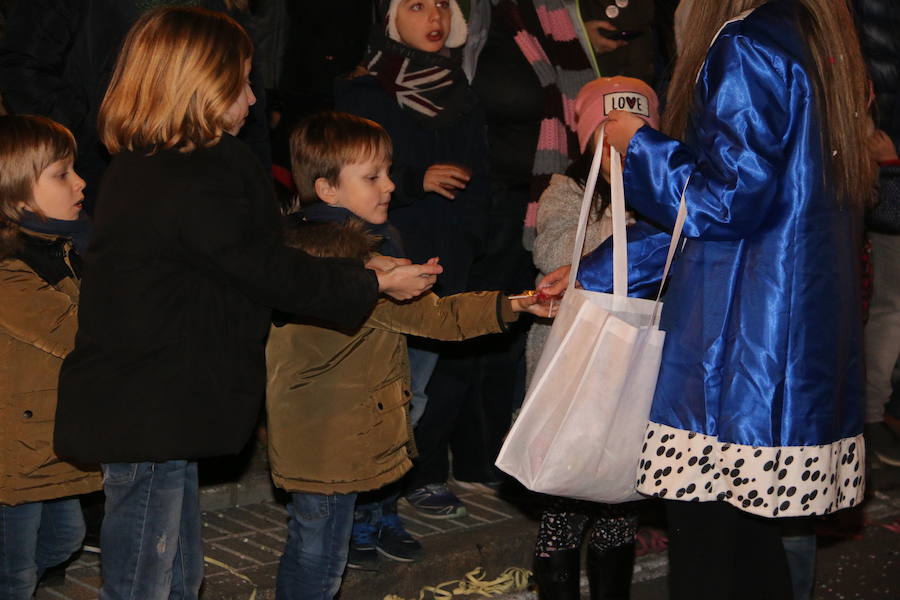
(28, 145)
(179, 71)
(323, 143)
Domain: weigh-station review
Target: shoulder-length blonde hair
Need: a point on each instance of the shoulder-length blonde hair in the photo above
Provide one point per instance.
(837, 68)
(179, 71)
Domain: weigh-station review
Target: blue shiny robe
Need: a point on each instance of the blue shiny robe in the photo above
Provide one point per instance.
(762, 311)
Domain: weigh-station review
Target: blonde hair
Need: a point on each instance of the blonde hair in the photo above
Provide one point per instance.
(179, 71)
(837, 70)
(323, 143)
(28, 145)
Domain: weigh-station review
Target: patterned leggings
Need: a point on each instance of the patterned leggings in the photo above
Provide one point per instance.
(564, 522)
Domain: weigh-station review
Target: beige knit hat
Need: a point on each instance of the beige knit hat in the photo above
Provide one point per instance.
(458, 28)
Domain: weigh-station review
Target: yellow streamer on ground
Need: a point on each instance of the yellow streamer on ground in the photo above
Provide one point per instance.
(474, 583)
(234, 572)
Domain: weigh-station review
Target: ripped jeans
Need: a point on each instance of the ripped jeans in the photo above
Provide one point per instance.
(150, 541)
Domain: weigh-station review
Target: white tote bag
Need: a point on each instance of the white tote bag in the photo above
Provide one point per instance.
(581, 427)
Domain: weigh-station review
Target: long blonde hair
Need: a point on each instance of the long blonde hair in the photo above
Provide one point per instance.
(837, 70)
(179, 71)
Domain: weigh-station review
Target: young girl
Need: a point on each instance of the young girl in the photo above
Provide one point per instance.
(415, 88)
(184, 269)
(564, 521)
(757, 412)
(41, 236)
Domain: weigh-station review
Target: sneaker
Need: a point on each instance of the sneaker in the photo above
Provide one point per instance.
(363, 554)
(395, 542)
(436, 501)
(883, 443)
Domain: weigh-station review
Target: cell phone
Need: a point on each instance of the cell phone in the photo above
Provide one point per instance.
(620, 35)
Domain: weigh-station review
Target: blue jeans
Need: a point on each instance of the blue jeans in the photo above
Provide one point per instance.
(34, 537)
(315, 554)
(421, 366)
(150, 538)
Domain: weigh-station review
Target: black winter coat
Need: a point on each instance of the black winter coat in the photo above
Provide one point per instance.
(879, 23)
(57, 59)
(430, 224)
(180, 277)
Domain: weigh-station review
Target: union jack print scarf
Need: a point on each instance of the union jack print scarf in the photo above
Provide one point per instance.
(431, 86)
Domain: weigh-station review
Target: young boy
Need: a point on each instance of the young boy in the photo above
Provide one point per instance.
(337, 402)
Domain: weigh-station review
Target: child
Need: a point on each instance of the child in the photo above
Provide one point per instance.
(337, 402)
(415, 88)
(757, 409)
(610, 552)
(41, 237)
(182, 274)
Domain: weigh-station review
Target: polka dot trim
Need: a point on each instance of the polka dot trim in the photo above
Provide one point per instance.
(790, 481)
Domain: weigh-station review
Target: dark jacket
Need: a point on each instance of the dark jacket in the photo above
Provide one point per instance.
(58, 56)
(430, 224)
(38, 318)
(180, 278)
(878, 22)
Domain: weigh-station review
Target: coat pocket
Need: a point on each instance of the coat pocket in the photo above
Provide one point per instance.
(35, 416)
(391, 416)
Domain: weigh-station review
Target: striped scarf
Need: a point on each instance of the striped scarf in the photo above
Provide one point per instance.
(548, 40)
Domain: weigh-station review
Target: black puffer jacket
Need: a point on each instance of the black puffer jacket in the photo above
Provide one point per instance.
(879, 22)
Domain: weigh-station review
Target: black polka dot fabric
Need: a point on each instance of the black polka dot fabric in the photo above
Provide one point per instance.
(789, 481)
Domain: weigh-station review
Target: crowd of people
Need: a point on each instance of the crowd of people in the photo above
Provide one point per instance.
(220, 215)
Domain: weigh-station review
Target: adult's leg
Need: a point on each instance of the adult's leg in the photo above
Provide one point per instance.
(19, 527)
(315, 554)
(141, 530)
(719, 552)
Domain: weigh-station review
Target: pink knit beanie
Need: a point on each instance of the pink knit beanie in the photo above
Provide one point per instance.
(598, 98)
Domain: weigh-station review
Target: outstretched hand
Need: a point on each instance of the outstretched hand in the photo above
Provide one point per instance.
(536, 306)
(405, 282)
(554, 284)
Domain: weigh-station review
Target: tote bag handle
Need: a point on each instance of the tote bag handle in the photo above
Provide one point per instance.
(620, 240)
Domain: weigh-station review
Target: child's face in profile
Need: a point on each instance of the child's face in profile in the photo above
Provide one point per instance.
(363, 188)
(58, 192)
(424, 24)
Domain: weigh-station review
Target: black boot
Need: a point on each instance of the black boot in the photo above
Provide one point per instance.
(609, 572)
(558, 575)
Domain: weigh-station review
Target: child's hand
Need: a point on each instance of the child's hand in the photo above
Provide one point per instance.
(386, 263)
(621, 127)
(444, 178)
(536, 305)
(554, 284)
(405, 282)
(881, 147)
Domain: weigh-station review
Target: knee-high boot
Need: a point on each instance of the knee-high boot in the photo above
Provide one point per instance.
(609, 572)
(558, 575)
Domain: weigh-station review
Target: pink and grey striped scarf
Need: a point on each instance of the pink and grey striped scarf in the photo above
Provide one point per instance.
(547, 38)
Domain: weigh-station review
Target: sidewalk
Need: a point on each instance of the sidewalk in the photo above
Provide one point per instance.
(243, 545)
